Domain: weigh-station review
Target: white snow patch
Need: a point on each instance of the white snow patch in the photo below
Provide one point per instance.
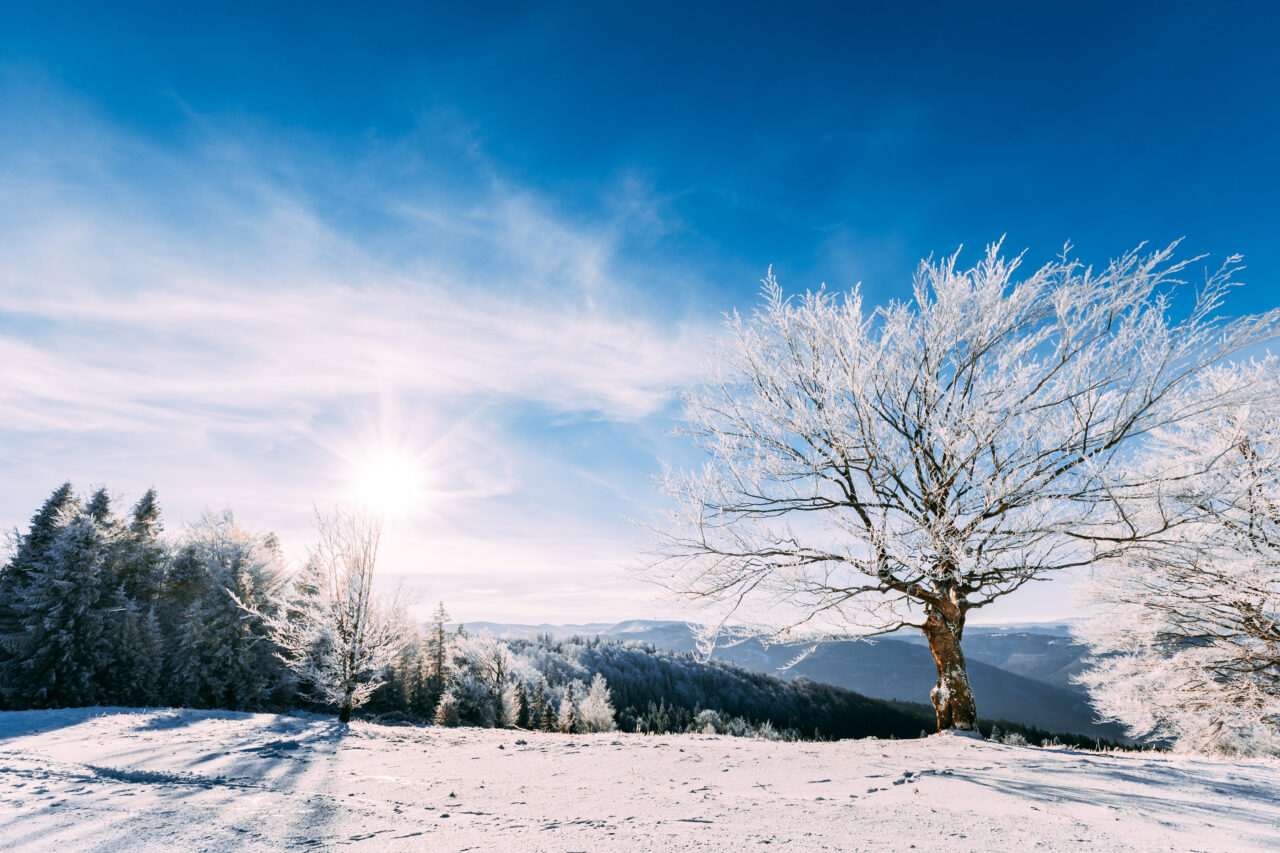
(117, 780)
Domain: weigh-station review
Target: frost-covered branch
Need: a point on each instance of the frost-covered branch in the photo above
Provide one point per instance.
(335, 632)
(1187, 646)
(870, 470)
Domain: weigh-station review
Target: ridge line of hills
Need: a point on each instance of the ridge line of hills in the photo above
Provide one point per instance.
(1020, 672)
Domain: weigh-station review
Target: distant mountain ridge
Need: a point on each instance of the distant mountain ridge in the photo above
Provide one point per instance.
(1019, 673)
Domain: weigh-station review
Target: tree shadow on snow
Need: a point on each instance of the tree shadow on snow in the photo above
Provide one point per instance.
(1195, 795)
(287, 759)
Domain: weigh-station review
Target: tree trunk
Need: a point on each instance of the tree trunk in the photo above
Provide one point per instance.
(952, 697)
(344, 713)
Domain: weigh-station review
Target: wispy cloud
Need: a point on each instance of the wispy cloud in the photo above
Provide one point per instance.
(116, 318)
(220, 318)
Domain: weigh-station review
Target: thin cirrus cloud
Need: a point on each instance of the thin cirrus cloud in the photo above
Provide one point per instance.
(103, 310)
(213, 326)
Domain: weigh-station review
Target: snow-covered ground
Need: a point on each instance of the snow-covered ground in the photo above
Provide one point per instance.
(111, 779)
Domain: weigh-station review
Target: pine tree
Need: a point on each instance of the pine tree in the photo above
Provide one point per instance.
(437, 657)
(61, 612)
(135, 654)
(99, 507)
(570, 721)
(247, 578)
(45, 525)
(408, 679)
(15, 575)
(217, 589)
(142, 558)
(521, 698)
(539, 709)
(137, 567)
(185, 665)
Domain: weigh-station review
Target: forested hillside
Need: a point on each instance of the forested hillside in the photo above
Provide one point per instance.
(1021, 675)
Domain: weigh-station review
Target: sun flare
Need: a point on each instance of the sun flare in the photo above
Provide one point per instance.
(389, 482)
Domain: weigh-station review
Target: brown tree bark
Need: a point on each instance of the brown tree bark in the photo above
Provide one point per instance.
(952, 697)
(344, 713)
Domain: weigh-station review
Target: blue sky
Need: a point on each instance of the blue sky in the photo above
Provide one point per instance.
(243, 251)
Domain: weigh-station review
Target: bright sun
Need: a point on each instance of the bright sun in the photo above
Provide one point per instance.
(390, 483)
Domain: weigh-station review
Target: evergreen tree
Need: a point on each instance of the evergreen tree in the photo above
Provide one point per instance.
(135, 654)
(186, 581)
(45, 525)
(570, 721)
(248, 577)
(221, 583)
(411, 675)
(539, 709)
(142, 558)
(185, 665)
(137, 567)
(437, 657)
(512, 705)
(521, 701)
(65, 655)
(99, 507)
(15, 575)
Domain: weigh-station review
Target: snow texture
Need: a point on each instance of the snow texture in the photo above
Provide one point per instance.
(114, 779)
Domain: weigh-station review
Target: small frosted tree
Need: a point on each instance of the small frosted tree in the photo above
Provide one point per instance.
(518, 702)
(1187, 643)
(876, 470)
(437, 656)
(541, 715)
(569, 720)
(513, 706)
(337, 634)
(596, 709)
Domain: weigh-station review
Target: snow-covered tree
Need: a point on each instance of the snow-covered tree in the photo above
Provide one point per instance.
(517, 706)
(337, 634)
(569, 720)
(186, 665)
(447, 710)
(541, 717)
(513, 708)
(480, 681)
(596, 708)
(221, 595)
(135, 654)
(407, 682)
(902, 467)
(437, 655)
(66, 647)
(142, 558)
(1187, 644)
(136, 576)
(15, 575)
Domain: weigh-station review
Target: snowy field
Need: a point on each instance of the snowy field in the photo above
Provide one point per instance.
(108, 779)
